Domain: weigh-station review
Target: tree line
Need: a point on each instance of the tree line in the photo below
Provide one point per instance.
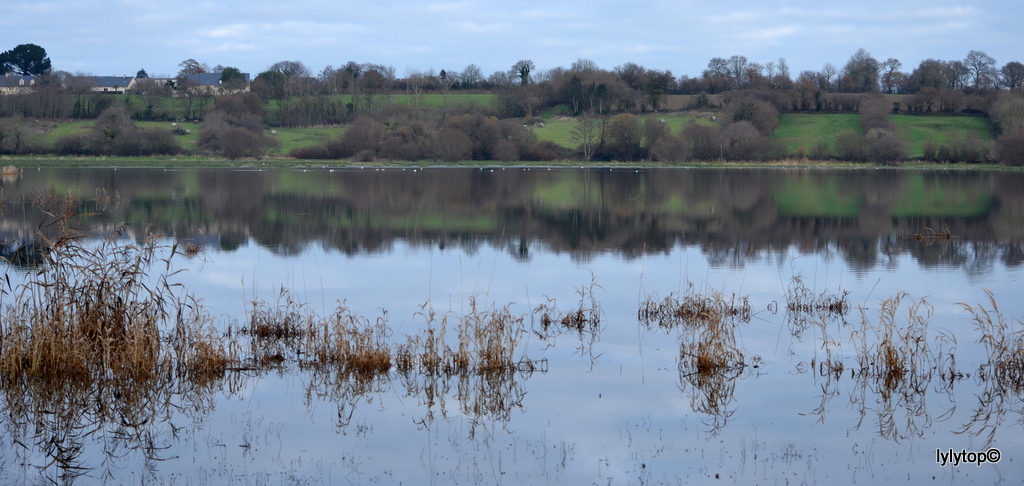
(606, 103)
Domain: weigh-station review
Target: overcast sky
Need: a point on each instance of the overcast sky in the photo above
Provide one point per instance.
(117, 37)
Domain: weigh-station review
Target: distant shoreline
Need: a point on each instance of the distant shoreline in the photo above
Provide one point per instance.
(26, 162)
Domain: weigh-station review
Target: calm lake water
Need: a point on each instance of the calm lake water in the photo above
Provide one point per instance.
(801, 403)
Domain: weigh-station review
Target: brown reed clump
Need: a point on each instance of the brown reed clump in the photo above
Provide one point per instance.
(709, 358)
(897, 357)
(802, 300)
(87, 310)
(201, 353)
(81, 347)
(91, 310)
(692, 309)
(278, 332)
(350, 343)
(584, 319)
(709, 363)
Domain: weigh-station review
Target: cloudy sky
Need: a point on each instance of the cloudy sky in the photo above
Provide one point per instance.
(116, 37)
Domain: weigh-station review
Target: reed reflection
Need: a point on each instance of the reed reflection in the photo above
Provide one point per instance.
(709, 361)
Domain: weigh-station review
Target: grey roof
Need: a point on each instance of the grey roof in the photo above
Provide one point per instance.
(106, 81)
(15, 81)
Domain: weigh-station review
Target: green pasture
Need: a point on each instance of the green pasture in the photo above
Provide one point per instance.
(917, 130)
(558, 129)
(292, 138)
(804, 130)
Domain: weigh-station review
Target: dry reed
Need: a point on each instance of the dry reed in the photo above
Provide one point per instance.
(802, 300)
(709, 359)
(584, 319)
(82, 348)
(1002, 376)
(692, 309)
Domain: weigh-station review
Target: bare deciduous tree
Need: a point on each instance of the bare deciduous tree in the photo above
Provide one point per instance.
(828, 73)
(586, 134)
(982, 68)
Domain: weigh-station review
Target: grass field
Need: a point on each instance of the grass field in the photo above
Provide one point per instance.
(292, 138)
(916, 130)
(804, 130)
(797, 131)
(559, 128)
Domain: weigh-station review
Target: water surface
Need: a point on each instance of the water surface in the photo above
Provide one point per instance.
(619, 406)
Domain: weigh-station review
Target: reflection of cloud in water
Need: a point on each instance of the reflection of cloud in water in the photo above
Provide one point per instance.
(624, 410)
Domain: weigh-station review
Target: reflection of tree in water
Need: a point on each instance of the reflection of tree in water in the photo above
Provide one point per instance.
(568, 210)
(860, 253)
(1012, 255)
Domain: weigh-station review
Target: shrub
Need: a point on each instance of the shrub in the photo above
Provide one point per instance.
(705, 142)
(71, 145)
(1009, 148)
(884, 147)
(237, 142)
(1007, 112)
(506, 151)
(821, 151)
(234, 137)
(930, 150)
(158, 141)
(314, 152)
(741, 140)
(451, 145)
(849, 146)
(622, 137)
(670, 148)
(542, 151)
